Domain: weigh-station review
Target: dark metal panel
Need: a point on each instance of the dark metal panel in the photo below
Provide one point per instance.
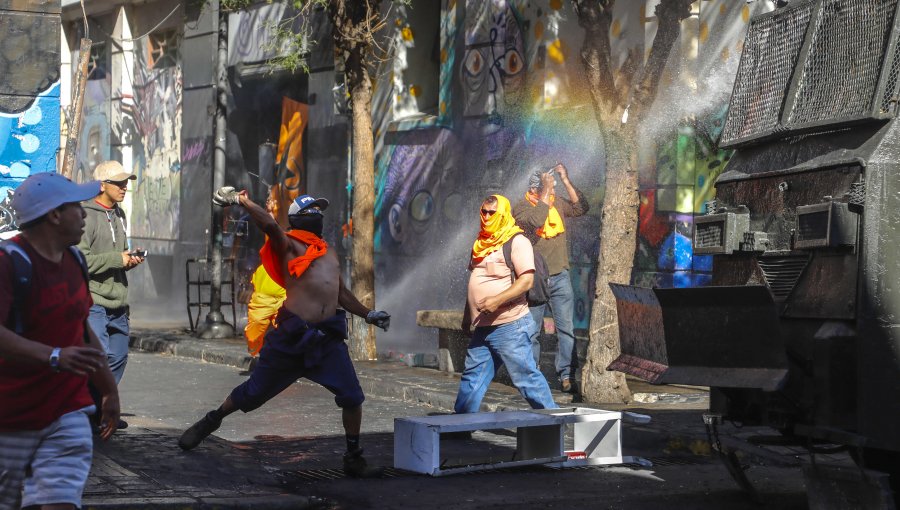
(773, 200)
(826, 289)
(198, 55)
(711, 336)
(879, 302)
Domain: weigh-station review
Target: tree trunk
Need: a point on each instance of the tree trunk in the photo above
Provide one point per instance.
(619, 125)
(362, 274)
(618, 224)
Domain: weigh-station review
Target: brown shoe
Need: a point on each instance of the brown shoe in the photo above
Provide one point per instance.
(567, 386)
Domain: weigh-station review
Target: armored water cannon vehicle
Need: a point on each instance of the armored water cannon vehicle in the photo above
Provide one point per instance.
(800, 327)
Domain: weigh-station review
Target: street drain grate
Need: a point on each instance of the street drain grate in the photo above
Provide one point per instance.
(676, 461)
(321, 475)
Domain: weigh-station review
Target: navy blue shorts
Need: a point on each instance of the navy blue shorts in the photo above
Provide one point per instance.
(296, 348)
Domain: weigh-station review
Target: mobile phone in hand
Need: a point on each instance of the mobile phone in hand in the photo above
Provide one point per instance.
(138, 253)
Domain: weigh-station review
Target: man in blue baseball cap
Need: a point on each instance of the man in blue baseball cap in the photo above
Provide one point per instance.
(47, 354)
(310, 328)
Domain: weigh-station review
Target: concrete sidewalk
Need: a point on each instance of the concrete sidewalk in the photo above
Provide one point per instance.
(395, 379)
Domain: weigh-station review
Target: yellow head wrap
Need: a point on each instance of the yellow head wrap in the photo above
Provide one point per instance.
(495, 231)
(553, 225)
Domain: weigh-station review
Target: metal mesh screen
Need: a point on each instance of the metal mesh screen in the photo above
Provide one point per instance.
(889, 97)
(812, 226)
(710, 235)
(840, 75)
(770, 54)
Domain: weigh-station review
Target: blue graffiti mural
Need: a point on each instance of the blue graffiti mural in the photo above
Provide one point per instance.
(29, 142)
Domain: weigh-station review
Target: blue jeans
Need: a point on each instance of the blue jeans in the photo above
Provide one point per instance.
(111, 327)
(562, 307)
(493, 346)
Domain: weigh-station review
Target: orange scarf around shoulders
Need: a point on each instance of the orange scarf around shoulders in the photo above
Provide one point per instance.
(316, 248)
(553, 225)
(494, 232)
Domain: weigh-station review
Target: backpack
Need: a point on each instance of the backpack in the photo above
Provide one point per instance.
(539, 293)
(21, 276)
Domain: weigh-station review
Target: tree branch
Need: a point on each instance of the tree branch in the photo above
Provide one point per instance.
(595, 17)
(669, 14)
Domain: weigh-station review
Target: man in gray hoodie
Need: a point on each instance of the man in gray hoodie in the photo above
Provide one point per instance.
(105, 246)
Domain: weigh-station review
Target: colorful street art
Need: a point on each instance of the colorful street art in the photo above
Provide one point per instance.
(94, 145)
(29, 95)
(29, 141)
(157, 146)
(522, 104)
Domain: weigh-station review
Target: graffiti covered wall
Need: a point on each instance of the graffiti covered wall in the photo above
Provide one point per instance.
(29, 94)
(512, 98)
(157, 148)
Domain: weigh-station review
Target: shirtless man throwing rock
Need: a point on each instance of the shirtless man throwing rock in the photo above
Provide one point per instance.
(309, 333)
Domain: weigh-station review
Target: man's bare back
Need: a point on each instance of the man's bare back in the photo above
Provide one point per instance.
(314, 295)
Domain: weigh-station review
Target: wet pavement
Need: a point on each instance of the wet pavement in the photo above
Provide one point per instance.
(288, 453)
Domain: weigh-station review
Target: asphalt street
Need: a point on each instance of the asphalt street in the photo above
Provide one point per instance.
(297, 437)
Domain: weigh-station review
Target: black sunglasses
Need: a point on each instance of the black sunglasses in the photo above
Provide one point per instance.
(488, 212)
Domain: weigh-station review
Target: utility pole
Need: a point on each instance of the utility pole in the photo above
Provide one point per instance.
(215, 326)
(71, 149)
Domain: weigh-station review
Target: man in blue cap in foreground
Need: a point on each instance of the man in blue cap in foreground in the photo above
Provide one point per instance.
(47, 353)
(308, 337)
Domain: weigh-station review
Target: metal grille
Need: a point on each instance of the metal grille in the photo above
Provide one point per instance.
(813, 226)
(889, 98)
(840, 74)
(710, 235)
(856, 199)
(770, 54)
(782, 273)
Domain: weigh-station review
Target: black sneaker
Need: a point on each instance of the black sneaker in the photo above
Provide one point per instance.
(355, 466)
(199, 431)
(122, 425)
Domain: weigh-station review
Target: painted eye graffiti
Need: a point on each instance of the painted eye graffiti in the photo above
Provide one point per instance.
(474, 63)
(512, 62)
(422, 206)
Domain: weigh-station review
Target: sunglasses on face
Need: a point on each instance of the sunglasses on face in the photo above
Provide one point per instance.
(488, 212)
(121, 184)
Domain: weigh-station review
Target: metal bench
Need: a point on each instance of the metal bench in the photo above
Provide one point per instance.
(540, 439)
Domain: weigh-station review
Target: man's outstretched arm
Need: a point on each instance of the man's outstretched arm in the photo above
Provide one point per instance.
(349, 302)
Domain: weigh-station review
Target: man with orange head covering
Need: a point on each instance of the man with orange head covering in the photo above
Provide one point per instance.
(541, 214)
(496, 314)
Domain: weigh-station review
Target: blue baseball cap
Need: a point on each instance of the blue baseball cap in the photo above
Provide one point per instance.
(304, 202)
(42, 192)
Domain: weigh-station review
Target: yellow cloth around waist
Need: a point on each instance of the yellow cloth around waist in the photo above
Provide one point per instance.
(264, 304)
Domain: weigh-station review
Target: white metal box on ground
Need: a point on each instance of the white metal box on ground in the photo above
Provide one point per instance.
(540, 438)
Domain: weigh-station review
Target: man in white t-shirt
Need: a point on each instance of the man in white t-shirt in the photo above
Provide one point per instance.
(496, 314)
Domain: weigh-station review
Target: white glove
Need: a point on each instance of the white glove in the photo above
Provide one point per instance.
(379, 319)
(225, 196)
